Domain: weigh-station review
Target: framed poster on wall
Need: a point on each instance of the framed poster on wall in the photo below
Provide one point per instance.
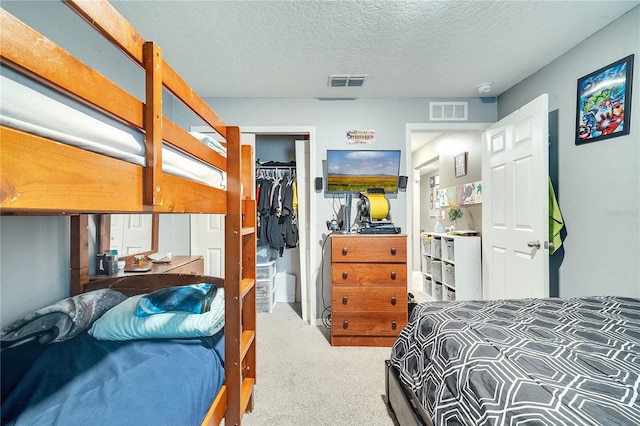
(603, 108)
(460, 164)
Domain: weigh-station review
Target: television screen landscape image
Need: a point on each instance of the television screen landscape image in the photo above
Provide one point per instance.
(359, 170)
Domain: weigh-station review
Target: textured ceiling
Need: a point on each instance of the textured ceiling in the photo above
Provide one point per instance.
(408, 49)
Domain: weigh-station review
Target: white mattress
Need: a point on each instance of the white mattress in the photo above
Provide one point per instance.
(29, 106)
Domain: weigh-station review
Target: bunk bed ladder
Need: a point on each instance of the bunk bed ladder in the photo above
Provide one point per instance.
(240, 288)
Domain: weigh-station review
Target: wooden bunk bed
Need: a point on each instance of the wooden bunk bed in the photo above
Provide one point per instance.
(42, 176)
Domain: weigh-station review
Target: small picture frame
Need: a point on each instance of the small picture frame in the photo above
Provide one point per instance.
(603, 109)
(460, 164)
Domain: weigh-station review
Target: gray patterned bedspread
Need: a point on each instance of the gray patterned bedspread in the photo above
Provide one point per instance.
(536, 361)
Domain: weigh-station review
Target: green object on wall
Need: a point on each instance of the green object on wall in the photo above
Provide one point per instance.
(556, 223)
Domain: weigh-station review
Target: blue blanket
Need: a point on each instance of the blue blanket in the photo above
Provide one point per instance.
(135, 382)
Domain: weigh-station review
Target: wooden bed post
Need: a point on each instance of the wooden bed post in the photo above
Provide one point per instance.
(233, 268)
(79, 256)
(240, 296)
(153, 125)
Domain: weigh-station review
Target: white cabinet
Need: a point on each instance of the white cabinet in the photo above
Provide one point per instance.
(451, 266)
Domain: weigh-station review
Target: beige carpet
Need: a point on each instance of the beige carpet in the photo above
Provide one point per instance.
(304, 381)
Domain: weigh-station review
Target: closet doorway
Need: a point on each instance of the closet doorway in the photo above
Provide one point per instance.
(286, 144)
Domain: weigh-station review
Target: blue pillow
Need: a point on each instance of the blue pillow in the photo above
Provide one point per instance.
(195, 298)
(121, 322)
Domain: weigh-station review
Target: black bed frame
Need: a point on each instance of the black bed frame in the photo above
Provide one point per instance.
(403, 402)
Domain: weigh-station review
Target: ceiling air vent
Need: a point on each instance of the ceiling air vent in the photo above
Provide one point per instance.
(355, 81)
(346, 80)
(448, 111)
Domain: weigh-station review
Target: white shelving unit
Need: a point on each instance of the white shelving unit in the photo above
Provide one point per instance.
(266, 286)
(451, 266)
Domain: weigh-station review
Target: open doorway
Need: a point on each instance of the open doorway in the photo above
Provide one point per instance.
(432, 148)
(302, 140)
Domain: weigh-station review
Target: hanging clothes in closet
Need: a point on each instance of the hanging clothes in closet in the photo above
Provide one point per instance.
(276, 200)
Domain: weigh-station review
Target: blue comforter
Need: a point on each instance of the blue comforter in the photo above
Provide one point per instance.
(86, 381)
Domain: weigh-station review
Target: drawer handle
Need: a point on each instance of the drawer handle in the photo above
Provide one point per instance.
(394, 325)
(393, 275)
(393, 301)
(345, 274)
(393, 251)
(345, 324)
(345, 299)
(344, 251)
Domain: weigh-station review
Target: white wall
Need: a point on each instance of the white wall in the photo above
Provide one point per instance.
(599, 183)
(34, 264)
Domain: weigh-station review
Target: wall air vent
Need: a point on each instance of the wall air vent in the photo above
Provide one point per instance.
(347, 80)
(448, 111)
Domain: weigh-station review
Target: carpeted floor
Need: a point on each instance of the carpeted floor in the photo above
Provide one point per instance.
(304, 381)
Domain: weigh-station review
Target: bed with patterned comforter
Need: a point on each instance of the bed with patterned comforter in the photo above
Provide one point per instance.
(573, 361)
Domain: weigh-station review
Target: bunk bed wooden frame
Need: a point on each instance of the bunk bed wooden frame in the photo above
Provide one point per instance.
(45, 177)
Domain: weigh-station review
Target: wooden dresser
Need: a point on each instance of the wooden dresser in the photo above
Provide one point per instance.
(368, 289)
(190, 265)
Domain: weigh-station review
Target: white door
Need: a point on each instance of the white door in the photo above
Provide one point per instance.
(116, 233)
(130, 233)
(515, 204)
(302, 179)
(207, 240)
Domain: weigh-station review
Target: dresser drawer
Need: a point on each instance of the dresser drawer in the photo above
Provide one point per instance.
(361, 248)
(345, 298)
(368, 323)
(369, 274)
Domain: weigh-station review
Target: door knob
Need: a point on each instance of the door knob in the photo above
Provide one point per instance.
(533, 244)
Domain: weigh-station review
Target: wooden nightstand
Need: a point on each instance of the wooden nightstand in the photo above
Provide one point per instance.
(368, 289)
(191, 265)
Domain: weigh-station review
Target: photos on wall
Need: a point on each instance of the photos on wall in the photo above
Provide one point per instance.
(462, 195)
(603, 108)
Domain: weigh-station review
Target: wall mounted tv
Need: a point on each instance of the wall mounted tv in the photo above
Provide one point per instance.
(358, 170)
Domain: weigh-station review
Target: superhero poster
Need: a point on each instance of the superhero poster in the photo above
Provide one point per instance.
(604, 102)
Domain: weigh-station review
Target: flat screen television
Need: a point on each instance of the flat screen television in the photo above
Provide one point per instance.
(359, 170)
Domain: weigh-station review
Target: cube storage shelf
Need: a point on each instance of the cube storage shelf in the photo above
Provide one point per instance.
(266, 286)
(451, 266)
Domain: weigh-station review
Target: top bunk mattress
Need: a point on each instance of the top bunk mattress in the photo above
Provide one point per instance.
(34, 108)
